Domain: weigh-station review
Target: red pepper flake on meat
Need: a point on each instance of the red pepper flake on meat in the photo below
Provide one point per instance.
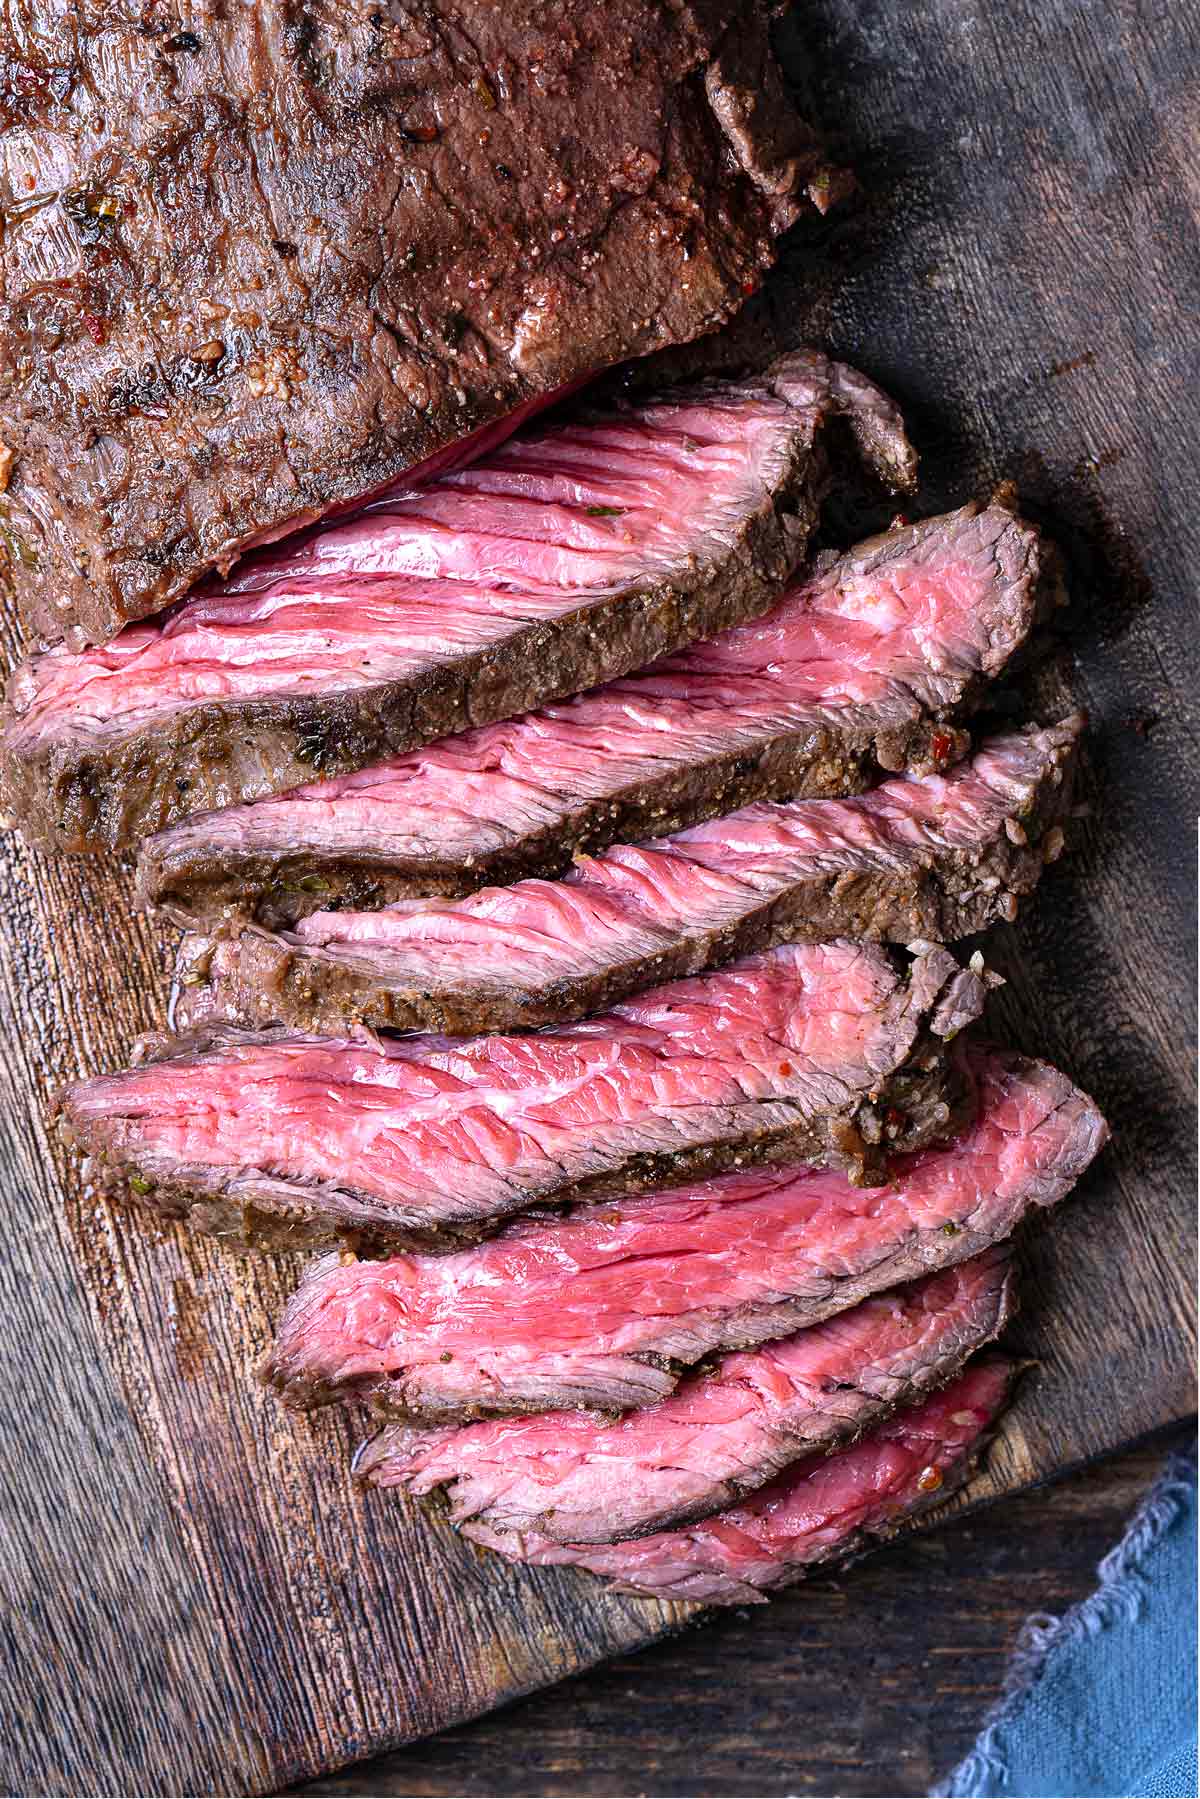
(941, 745)
(96, 327)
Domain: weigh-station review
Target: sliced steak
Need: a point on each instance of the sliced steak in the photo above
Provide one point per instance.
(823, 1509)
(574, 553)
(256, 269)
(825, 1053)
(932, 857)
(579, 1477)
(605, 1308)
(857, 669)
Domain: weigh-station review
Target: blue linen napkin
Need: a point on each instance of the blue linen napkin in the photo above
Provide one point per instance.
(1103, 1700)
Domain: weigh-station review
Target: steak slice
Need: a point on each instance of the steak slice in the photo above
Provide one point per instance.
(255, 270)
(856, 670)
(579, 1477)
(824, 1508)
(605, 1308)
(934, 857)
(575, 552)
(825, 1053)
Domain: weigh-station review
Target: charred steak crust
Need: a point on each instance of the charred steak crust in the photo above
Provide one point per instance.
(849, 1115)
(952, 883)
(79, 789)
(217, 868)
(324, 244)
(198, 881)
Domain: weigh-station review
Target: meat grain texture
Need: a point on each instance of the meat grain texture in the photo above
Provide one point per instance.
(575, 552)
(823, 1509)
(932, 858)
(862, 668)
(579, 1477)
(607, 1308)
(834, 1053)
(259, 267)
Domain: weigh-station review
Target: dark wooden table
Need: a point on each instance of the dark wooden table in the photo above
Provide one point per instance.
(871, 1683)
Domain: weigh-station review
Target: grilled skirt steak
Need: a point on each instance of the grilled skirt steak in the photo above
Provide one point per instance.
(579, 1477)
(572, 554)
(823, 1509)
(259, 268)
(858, 669)
(828, 1054)
(935, 857)
(606, 1308)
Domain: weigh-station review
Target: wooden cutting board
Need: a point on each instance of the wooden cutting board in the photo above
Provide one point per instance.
(194, 1599)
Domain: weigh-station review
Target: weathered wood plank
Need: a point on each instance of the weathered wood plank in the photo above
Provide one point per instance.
(198, 1602)
(790, 1698)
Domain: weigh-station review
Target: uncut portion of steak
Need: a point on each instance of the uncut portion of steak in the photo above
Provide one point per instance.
(257, 268)
(577, 551)
(605, 1308)
(857, 670)
(935, 857)
(823, 1509)
(825, 1053)
(578, 1477)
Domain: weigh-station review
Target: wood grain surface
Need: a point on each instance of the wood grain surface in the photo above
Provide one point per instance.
(795, 1697)
(194, 1600)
